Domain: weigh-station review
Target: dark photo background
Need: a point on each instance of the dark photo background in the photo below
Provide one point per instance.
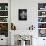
(22, 14)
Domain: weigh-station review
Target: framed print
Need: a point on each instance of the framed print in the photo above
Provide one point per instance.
(22, 14)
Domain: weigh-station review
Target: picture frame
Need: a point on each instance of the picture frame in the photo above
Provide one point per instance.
(22, 14)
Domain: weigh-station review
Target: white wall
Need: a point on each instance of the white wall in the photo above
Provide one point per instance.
(32, 14)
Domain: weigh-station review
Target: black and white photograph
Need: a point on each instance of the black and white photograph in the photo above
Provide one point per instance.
(22, 14)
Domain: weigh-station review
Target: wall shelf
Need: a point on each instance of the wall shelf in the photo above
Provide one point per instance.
(42, 19)
(3, 16)
(42, 16)
(41, 22)
(42, 10)
(4, 19)
(3, 22)
(3, 10)
(41, 28)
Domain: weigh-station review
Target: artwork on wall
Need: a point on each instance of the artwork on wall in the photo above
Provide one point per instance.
(22, 14)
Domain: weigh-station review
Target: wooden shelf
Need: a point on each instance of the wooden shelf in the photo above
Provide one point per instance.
(3, 10)
(42, 16)
(41, 22)
(3, 22)
(3, 16)
(41, 28)
(41, 10)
